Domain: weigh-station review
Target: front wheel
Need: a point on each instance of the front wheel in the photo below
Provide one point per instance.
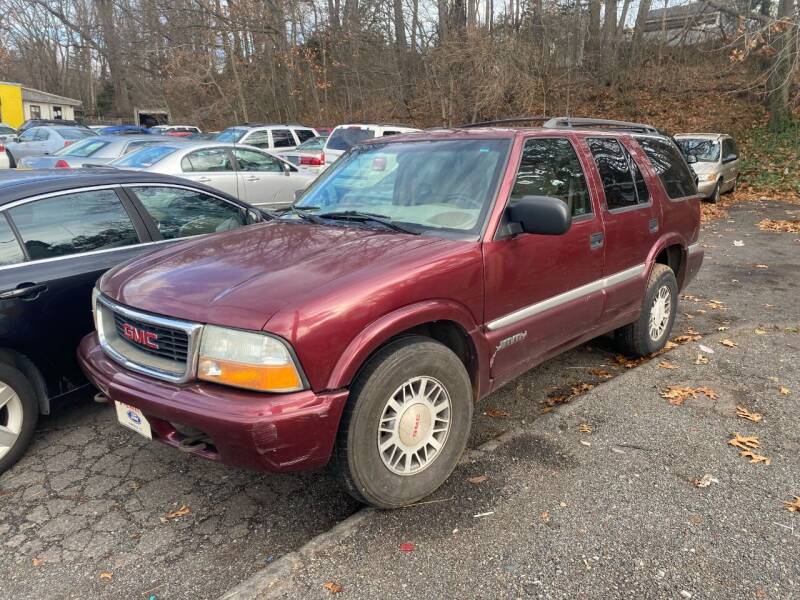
(649, 333)
(18, 415)
(406, 423)
(715, 195)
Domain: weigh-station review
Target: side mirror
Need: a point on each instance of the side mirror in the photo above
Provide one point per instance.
(691, 159)
(730, 157)
(543, 215)
(16, 139)
(287, 168)
(298, 194)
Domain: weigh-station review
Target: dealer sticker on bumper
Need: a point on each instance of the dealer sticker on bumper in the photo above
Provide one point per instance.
(132, 418)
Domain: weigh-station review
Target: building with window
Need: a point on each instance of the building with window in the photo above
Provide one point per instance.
(19, 103)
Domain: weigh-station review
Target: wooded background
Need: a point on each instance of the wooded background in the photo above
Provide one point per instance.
(426, 62)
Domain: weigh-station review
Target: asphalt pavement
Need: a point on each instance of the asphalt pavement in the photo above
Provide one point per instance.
(95, 511)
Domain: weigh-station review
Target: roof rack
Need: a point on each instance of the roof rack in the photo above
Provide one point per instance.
(572, 122)
(504, 121)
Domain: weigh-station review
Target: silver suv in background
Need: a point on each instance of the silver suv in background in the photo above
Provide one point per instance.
(716, 162)
(267, 136)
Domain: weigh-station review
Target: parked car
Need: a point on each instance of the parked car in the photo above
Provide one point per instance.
(418, 275)
(5, 159)
(92, 151)
(716, 162)
(7, 133)
(308, 155)
(256, 177)
(344, 137)
(53, 122)
(268, 136)
(59, 231)
(42, 141)
(175, 130)
(124, 130)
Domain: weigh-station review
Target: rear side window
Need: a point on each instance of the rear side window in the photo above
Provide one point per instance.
(282, 138)
(304, 134)
(10, 251)
(73, 223)
(614, 166)
(670, 166)
(74, 133)
(145, 157)
(259, 139)
(204, 161)
(550, 167)
(389, 132)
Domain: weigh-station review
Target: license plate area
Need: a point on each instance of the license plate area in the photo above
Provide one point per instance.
(132, 418)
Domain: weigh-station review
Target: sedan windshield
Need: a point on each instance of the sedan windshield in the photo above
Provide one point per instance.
(231, 135)
(704, 150)
(82, 149)
(438, 186)
(147, 157)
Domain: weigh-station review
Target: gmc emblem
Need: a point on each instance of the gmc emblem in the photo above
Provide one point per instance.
(140, 336)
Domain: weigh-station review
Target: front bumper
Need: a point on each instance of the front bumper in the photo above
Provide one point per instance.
(706, 188)
(267, 432)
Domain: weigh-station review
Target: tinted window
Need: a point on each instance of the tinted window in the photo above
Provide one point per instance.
(82, 149)
(615, 172)
(10, 251)
(73, 223)
(642, 192)
(387, 132)
(259, 139)
(249, 160)
(6, 130)
(212, 160)
(304, 134)
(345, 138)
(282, 138)
(29, 136)
(231, 135)
(41, 135)
(146, 157)
(728, 148)
(182, 213)
(672, 169)
(550, 167)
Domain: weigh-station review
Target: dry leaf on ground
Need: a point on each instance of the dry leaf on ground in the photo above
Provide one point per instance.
(667, 365)
(585, 428)
(690, 297)
(496, 413)
(783, 226)
(106, 576)
(333, 588)
(669, 346)
(601, 373)
(716, 305)
(478, 479)
(682, 339)
(181, 512)
(759, 331)
(701, 360)
(581, 388)
(755, 458)
(761, 266)
(744, 442)
(677, 394)
(785, 391)
(705, 481)
(37, 562)
(544, 516)
(722, 328)
(728, 343)
(793, 506)
(742, 412)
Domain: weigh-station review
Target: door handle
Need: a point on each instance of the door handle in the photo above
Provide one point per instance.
(596, 240)
(26, 291)
(203, 179)
(652, 224)
(252, 178)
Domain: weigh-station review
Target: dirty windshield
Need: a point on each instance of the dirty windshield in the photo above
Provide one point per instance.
(437, 186)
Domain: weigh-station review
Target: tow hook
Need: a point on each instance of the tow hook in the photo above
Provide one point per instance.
(101, 398)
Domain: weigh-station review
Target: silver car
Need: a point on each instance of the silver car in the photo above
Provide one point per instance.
(91, 151)
(250, 174)
(7, 133)
(45, 140)
(715, 159)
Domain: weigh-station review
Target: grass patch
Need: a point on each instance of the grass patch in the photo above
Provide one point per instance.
(771, 162)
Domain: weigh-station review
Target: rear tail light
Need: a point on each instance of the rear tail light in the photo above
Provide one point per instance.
(2, 148)
(61, 164)
(67, 143)
(313, 161)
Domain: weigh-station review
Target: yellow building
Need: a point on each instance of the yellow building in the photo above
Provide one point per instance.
(18, 104)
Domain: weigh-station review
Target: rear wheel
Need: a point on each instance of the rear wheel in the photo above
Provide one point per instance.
(12, 164)
(406, 423)
(18, 415)
(649, 333)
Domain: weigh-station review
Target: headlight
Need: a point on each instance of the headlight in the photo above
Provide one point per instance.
(95, 294)
(710, 176)
(255, 361)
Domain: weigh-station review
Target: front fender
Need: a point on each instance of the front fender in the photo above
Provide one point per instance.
(403, 319)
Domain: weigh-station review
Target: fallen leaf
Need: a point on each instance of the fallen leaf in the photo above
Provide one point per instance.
(705, 481)
(478, 479)
(742, 412)
(759, 331)
(690, 297)
(782, 226)
(407, 547)
(755, 458)
(581, 388)
(785, 391)
(585, 428)
(37, 562)
(793, 506)
(723, 328)
(333, 588)
(682, 339)
(667, 365)
(700, 311)
(181, 512)
(677, 395)
(496, 413)
(701, 360)
(670, 345)
(761, 266)
(106, 576)
(715, 305)
(728, 343)
(744, 442)
(601, 373)
(545, 516)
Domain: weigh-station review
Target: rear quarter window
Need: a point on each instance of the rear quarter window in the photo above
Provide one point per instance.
(672, 169)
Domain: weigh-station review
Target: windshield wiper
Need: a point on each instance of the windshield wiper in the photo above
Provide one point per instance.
(300, 211)
(354, 215)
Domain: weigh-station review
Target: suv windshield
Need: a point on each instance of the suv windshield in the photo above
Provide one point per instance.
(704, 150)
(146, 157)
(345, 138)
(442, 185)
(231, 135)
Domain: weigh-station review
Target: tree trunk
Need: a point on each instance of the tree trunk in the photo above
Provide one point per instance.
(780, 75)
(116, 62)
(638, 30)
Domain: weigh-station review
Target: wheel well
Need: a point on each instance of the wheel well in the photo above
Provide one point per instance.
(26, 366)
(672, 256)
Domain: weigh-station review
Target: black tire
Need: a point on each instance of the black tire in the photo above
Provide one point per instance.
(635, 339)
(357, 459)
(12, 164)
(16, 380)
(715, 195)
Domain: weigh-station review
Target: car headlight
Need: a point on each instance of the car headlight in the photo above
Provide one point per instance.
(95, 294)
(254, 361)
(710, 176)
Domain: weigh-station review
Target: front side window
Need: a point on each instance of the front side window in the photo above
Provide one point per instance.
(282, 138)
(29, 135)
(214, 160)
(81, 149)
(672, 169)
(249, 160)
(259, 139)
(180, 213)
(550, 167)
(10, 251)
(144, 157)
(73, 223)
(303, 135)
(444, 186)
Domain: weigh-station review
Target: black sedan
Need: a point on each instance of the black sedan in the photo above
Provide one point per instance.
(59, 231)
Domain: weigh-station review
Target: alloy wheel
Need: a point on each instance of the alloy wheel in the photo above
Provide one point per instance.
(660, 312)
(10, 418)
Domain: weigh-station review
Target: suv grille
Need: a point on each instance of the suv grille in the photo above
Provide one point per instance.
(171, 344)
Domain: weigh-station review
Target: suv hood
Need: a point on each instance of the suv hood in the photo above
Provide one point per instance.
(241, 278)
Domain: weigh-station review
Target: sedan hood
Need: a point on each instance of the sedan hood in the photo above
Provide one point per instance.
(242, 278)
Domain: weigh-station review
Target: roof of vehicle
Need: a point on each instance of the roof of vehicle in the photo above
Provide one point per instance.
(269, 125)
(139, 137)
(702, 136)
(15, 185)
(382, 125)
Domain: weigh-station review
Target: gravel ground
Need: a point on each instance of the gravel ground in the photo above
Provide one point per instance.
(91, 497)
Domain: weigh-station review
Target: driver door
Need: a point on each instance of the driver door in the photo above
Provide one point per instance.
(213, 167)
(263, 179)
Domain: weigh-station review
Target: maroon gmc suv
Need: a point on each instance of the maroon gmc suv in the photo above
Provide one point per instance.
(418, 274)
